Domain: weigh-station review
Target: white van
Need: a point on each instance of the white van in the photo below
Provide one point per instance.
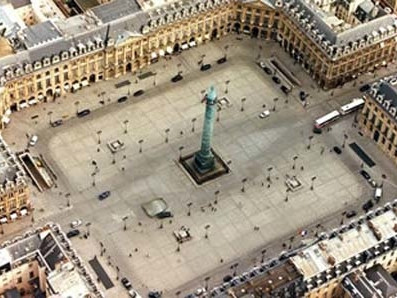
(33, 140)
(378, 194)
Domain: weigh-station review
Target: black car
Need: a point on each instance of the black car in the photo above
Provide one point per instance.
(303, 95)
(165, 214)
(83, 113)
(276, 80)
(368, 205)
(177, 78)
(364, 88)
(317, 130)
(104, 195)
(285, 89)
(205, 67)
(126, 283)
(337, 150)
(227, 278)
(351, 213)
(365, 174)
(138, 93)
(222, 60)
(267, 70)
(122, 99)
(154, 294)
(57, 123)
(72, 233)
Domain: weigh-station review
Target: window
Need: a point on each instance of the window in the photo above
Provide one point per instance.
(31, 274)
(19, 280)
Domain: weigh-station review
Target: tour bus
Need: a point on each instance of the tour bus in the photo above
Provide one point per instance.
(326, 119)
(352, 106)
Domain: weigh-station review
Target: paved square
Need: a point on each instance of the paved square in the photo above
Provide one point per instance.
(239, 221)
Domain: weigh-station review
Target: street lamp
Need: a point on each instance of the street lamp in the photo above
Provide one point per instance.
(206, 231)
(345, 137)
(154, 78)
(242, 104)
(126, 126)
(383, 179)
(93, 178)
(99, 132)
(294, 161)
(312, 185)
(77, 106)
(67, 196)
(140, 145)
(88, 224)
(167, 131)
(216, 193)
(226, 48)
(263, 252)
(274, 105)
(193, 122)
(32, 219)
(189, 205)
(234, 268)
(227, 85)
(218, 114)
(125, 222)
(50, 116)
(180, 152)
(206, 282)
(310, 142)
(269, 169)
(243, 184)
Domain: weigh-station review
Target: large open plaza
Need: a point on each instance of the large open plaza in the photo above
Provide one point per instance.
(229, 218)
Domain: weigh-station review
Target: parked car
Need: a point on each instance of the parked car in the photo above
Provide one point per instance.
(76, 223)
(267, 70)
(373, 183)
(104, 195)
(303, 95)
(177, 78)
(221, 60)
(276, 80)
(73, 233)
(264, 114)
(33, 140)
(285, 89)
(337, 150)
(364, 88)
(83, 113)
(126, 283)
(368, 205)
(205, 67)
(200, 291)
(122, 99)
(133, 294)
(227, 278)
(351, 213)
(57, 123)
(317, 130)
(365, 174)
(154, 294)
(378, 194)
(138, 93)
(165, 214)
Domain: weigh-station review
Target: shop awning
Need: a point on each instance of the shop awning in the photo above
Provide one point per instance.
(161, 52)
(84, 83)
(23, 105)
(207, 36)
(184, 46)
(154, 55)
(33, 101)
(24, 211)
(13, 216)
(169, 50)
(5, 119)
(8, 112)
(66, 87)
(192, 44)
(76, 86)
(3, 220)
(40, 97)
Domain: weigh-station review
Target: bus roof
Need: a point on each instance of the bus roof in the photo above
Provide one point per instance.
(327, 117)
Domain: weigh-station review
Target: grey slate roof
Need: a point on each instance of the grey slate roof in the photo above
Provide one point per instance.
(115, 10)
(19, 3)
(39, 34)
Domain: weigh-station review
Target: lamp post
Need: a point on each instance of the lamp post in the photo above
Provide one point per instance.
(50, 116)
(88, 224)
(1, 228)
(180, 152)
(140, 145)
(216, 193)
(274, 103)
(67, 196)
(99, 132)
(226, 48)
(345, 137)
(242, 104)
(263, 252)
(218, 114)
(125, 223)
(234, 268)
(294, 161)
(312, 184)
(189, 205)
(310, 142)
(383, 179)
(32, 219)
(77, 106)
(125, 126)
(227, 86)
(167, 131)
(93, 178)
(206, 282)
(154, 78)
(206, 231)
(193, 122)
(243, 184)
(269, 169)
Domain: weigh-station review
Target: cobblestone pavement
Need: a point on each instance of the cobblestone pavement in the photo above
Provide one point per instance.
(241, 223)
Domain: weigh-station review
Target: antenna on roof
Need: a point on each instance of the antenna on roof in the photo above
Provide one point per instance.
(107, 35)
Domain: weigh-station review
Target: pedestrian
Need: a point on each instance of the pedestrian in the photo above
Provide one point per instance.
(268, 186)
(322, 150)
(130, 255)
(302, 168)
(221, 260)
(136, 249)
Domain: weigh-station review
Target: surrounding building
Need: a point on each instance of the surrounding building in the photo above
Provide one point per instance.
(51, 48)
(14, 191)
(378, 119)
(41, 263)
(356, 260)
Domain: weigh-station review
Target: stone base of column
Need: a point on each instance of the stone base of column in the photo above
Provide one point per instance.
(200, 176)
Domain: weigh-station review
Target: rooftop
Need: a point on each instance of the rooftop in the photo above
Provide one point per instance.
(10, 169)
(384, 92)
